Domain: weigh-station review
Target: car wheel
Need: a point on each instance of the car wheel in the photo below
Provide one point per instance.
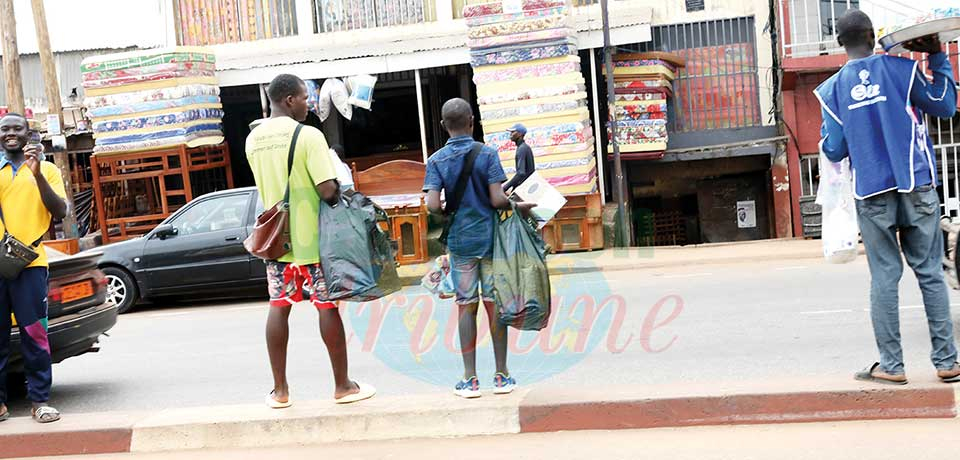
(121, 289)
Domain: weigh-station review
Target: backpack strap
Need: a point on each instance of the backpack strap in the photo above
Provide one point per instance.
(454, 203)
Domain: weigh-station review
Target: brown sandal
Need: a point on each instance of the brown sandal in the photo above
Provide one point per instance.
(877, 375)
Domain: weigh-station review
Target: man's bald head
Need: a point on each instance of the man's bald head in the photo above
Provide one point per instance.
(457, 116)
(855, 29)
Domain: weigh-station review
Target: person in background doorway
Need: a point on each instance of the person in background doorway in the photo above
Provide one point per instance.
(344, 174)
(31, 194)
(874, 112)
(297, 274)
(470, 244)
(525, 163)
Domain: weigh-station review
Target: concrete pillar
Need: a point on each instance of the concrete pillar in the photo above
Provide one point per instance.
(793, 159)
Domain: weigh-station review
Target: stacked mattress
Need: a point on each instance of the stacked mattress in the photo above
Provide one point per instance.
(527, 70)
(153, 99)
(642, 87)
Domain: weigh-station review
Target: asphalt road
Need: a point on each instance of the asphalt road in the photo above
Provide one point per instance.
(717, 323)
(880, 440)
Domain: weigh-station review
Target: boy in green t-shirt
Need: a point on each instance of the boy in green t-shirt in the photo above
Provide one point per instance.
(312, 178)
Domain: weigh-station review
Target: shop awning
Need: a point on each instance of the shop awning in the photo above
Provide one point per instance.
(394, 49)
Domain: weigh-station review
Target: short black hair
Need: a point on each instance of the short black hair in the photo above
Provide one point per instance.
(339, 149)
(284, 86)
(456, 114)
(854, 28)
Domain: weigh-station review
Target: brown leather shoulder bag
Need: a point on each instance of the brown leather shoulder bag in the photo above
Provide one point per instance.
(270, 239)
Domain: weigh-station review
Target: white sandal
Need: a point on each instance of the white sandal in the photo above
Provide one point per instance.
(274, 404)
(365, 392)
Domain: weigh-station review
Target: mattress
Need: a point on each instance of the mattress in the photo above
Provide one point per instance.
(544, 119)
(148, 70)
(512, 72)
(544, 165)
(151, 85)
(632, 63)
(639, 98)
(520, 38)
(578, 170)
(397, 201)
(530, 85)
(546, 155)
(523, 54)
(536, 110)
(146, 58)
(644, 71)
(544, 95)
(554, 135)
(582, 189)
(585, 177)
(653, 145)
(157, 121)
(133, 79)
(484, 9)
(153, 95)
(136, 135)
(198, 139)
(510, 17)
(148, 108)
(535, 24)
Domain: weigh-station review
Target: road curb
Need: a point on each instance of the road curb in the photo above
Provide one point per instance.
(443, 415)
(549, 413)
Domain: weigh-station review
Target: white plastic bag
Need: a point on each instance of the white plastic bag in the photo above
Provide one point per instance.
(840, 232)
(361, 90)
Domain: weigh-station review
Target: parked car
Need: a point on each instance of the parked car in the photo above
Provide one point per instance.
(196, 252)
(78, 313)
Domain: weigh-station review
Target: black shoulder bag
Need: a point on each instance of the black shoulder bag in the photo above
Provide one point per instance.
(14, 254)
(453, 203)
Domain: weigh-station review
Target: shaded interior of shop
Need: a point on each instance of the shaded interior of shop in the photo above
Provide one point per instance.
(700, 191)
(390, 130)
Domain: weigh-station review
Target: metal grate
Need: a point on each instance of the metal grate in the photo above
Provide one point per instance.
(342, 15)
(227, 21)
(719, 87)
(808, 26)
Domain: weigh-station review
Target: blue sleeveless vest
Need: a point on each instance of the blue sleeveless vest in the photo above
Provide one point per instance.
(886, 136)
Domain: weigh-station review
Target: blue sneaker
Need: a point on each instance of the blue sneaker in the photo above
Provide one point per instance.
(503, 384)
(468, 388)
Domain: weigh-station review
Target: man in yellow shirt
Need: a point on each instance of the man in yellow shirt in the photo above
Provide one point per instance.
(297, 275)
(31, 194)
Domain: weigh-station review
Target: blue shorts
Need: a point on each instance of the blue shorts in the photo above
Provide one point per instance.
(469, 274)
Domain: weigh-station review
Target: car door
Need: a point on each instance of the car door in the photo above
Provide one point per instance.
(206, 252)
(258, 268)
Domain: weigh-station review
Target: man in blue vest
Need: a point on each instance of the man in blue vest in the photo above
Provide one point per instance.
(874, 111)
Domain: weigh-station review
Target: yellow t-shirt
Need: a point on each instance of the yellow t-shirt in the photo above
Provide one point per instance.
(267, 149)
(24, 214)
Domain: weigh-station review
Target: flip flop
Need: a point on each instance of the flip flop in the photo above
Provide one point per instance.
(274, 404)
(366, 392)
(866, 375)
(46, 414)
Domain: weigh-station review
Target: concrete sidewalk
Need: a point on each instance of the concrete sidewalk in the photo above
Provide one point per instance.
(663, 256)
(444, 415)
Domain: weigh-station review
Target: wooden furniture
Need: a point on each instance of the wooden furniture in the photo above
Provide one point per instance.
(578, 226)
(408, 222)
(134, 192)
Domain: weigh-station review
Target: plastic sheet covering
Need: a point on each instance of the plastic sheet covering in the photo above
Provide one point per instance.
(521, 282)
(840, 232)
(355, 254)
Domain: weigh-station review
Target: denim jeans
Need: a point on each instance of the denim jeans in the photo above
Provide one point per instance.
(916, 216)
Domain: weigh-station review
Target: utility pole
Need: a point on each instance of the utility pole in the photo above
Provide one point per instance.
(622, 233)
(11, 57)
(55, 105)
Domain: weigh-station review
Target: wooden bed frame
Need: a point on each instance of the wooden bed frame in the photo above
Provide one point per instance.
(408, 224)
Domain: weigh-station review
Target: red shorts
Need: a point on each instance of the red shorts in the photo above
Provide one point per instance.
(291, 283)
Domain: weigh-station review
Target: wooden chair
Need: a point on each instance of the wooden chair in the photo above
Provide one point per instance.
(407, 224)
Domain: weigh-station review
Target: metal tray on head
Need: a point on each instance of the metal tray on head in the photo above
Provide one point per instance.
(947, 28)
